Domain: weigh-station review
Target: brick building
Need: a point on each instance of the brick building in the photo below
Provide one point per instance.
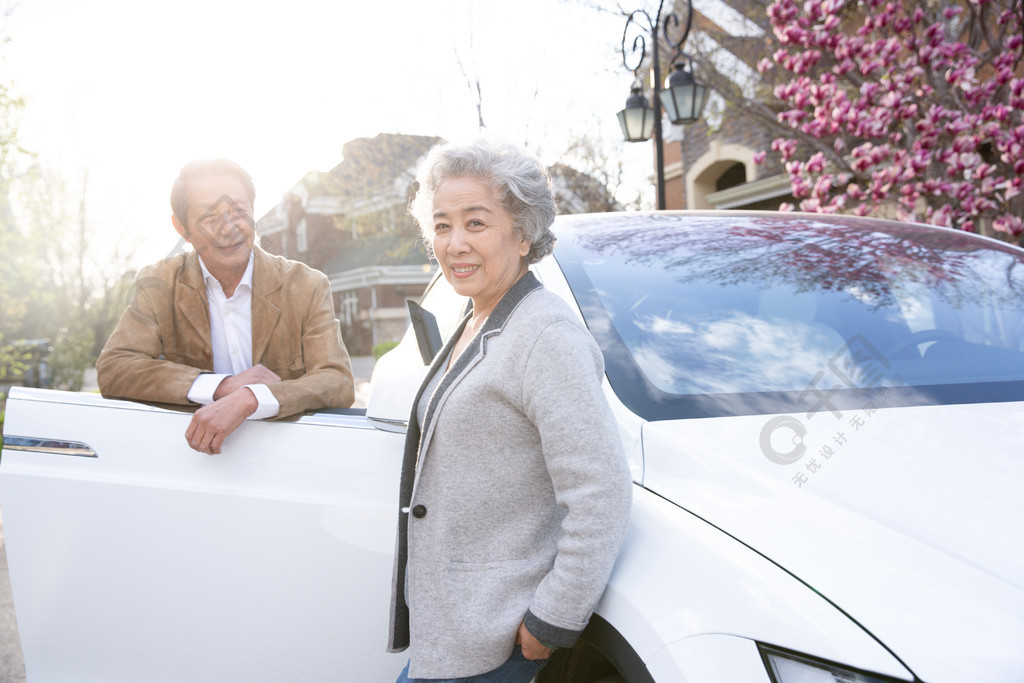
(720, 172)
(710, 165)
(352, 223)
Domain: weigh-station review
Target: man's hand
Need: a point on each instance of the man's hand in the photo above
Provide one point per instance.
(257, 374)
(213, 423)
(532, 648)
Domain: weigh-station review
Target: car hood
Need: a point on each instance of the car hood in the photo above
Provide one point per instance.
(907, 519)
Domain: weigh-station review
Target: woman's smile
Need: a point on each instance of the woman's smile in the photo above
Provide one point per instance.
(462, 271)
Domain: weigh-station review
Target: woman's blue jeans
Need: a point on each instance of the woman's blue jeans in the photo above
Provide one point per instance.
(517, 669)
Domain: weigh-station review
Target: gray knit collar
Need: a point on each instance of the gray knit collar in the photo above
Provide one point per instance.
(513, 297)
(519, 290)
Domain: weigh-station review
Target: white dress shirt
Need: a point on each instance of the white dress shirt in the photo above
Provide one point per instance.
(231, 335)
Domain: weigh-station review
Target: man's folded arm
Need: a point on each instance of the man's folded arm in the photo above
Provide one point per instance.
(130, 365)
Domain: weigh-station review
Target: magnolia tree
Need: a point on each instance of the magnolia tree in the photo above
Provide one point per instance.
(914, 106)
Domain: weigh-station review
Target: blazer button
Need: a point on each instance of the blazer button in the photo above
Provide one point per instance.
(419, 512)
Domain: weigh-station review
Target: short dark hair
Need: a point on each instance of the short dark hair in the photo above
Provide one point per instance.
(205, 167)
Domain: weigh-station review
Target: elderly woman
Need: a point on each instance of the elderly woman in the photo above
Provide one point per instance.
(515, 493)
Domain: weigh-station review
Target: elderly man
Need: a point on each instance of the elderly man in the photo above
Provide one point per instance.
(246, 334)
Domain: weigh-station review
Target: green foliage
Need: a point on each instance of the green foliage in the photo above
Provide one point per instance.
(71, 356)
(60, 278)
(382, 348)
(14, 276)
(12, 361)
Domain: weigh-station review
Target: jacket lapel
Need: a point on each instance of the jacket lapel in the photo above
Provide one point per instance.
(473, 353)
(190, 300)
(267, 302)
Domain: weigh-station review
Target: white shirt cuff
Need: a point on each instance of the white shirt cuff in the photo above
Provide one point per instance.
(268, 405)
(203, 386)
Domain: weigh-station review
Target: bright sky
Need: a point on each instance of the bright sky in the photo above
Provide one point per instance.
(132, 89)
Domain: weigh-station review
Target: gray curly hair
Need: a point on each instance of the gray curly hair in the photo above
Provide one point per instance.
(519, 181)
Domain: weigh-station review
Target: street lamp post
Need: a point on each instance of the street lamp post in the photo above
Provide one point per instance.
(683, 100)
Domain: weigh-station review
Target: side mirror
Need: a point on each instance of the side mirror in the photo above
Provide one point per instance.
(428, 334)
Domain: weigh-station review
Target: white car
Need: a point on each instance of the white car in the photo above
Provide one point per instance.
(824, 417)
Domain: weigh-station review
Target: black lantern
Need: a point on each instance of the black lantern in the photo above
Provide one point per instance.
(637, 119)
(683, 101)
(685, 97)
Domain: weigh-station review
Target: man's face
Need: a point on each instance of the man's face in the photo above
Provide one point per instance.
(220, 225)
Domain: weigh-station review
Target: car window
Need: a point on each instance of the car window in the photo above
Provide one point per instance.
(772, 307)
(448, 307)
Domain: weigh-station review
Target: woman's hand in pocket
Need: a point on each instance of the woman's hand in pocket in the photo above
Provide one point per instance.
(532, 648)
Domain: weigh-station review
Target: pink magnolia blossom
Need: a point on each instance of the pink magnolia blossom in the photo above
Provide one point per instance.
(893, 104)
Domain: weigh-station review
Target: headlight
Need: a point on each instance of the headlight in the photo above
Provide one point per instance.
(790, 667)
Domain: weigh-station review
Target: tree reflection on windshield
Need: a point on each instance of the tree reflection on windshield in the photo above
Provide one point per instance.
(730, 303)
(805, 253)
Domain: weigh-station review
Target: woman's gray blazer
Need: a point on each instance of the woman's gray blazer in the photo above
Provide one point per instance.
(514, 496)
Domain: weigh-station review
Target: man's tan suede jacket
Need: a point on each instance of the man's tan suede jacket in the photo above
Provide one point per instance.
(162, 342)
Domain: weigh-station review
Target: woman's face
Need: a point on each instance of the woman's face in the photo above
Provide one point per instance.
(475, 242)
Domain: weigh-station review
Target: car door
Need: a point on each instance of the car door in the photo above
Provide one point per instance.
(133, 557)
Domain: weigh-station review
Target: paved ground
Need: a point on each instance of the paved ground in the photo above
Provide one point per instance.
(12, 665)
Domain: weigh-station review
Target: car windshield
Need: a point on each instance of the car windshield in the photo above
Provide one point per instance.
(716, 314)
